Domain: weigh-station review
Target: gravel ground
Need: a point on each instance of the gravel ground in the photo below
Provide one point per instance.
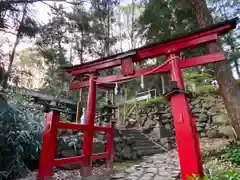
(59, 174)
(209, 147)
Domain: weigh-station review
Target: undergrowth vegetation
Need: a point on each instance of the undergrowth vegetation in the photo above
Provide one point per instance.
(232, 156)
(228, 175)
(197, 84)
(233, 153)
(21, 129)
(20, 135)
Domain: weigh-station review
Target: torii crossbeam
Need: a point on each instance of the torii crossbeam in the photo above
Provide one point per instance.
(184, 121)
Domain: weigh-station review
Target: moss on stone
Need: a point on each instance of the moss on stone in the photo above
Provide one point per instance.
(206, 90)
(158, 100)
(238, 81)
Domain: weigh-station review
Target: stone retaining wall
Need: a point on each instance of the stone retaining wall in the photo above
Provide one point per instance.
(156, 119)
(71, 145)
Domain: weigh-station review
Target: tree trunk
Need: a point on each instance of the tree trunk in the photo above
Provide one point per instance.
(132, 29)
(237, 67)
(231, 43)
(166, 78)
(107, 39)
(227, 84)
(12, 55)
(82, 41)
(223, 12)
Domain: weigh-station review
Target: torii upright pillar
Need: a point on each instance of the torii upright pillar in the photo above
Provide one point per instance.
(185, 125)
(86, 170)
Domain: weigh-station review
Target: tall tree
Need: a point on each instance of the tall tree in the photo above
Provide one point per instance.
(103, 18)
(162, 20)
(30, 68)
(80, 30)
(223, 10)
(23, 26)
(227, 84)
(52, 45)
(126, 26)
(101, 26)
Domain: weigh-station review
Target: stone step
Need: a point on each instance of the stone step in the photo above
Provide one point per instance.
(144, 146)
(134, 135)
(145, 143)
(140, 148)
(150, 152)
(130, 131)
(140, 138)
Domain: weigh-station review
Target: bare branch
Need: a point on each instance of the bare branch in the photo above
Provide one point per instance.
(28, 1)
(8, 32)
(50, 6)
(33, 1)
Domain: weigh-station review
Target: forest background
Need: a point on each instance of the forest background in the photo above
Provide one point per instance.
(38, 37)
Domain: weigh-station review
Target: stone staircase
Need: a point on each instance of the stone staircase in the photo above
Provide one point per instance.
(144, 146)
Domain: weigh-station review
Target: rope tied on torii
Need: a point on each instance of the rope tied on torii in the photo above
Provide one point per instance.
(171, 57)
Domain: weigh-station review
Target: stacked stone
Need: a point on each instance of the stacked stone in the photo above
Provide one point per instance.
(157, 121)
(71, 145)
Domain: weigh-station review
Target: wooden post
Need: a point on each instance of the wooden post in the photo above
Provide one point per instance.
(136, 110)
(119, 122)
(106, 96)
(109, 96)
(163, 85)
(112, 97)
(124, 106)
(113, 102)
(79, 106)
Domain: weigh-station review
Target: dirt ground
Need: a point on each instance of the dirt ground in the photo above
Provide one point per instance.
(211, 147)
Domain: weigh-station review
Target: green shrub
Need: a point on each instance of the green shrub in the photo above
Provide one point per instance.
(228, 175)
(195, 83)
(238, 81)
(158, 100)
(233, 153)
(219, 172)
(205, 89)
(21, 129)
(196, 79)
(20, 137)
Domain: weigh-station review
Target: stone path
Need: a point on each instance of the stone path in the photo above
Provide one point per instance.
(163, 166)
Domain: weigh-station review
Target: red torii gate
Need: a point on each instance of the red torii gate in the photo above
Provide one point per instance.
(184, 121)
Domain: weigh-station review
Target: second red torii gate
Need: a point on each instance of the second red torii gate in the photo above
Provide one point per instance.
(184, 122)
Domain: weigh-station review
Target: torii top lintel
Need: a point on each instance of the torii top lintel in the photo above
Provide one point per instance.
(206, 35)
